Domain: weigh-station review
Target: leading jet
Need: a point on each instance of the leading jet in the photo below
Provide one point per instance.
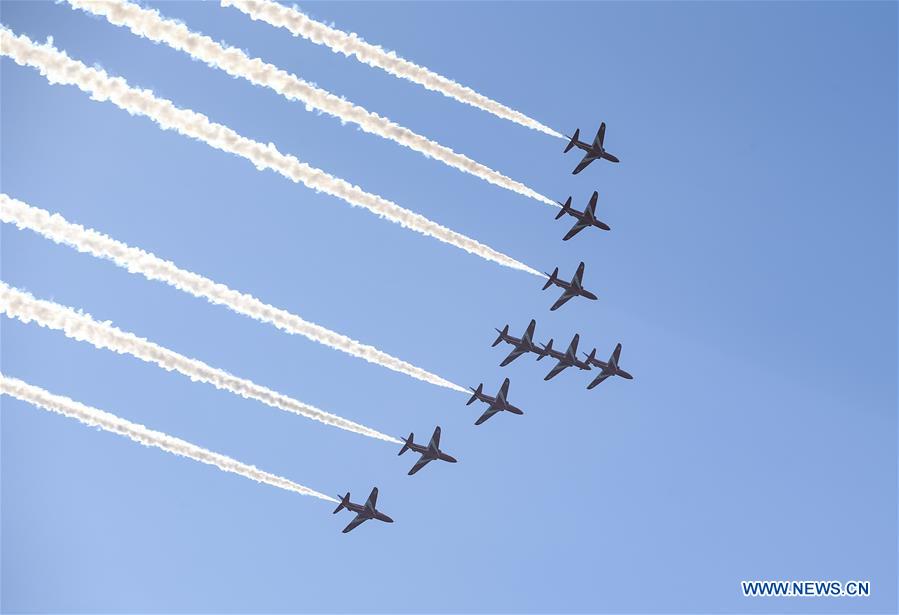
(364, 512)
(609, 368)
(496, 404)
(567, 359)
(585, 218)
(594, 151)
(521, 345)
(428, 453)
(574, 288)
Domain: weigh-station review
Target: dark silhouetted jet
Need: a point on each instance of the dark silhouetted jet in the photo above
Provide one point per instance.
(594, 150)
(585, 218)
(363, 512)
(428, 453)
(609, 368)
(567, 359)
(521, 345)
(574, 288)
(496, 404)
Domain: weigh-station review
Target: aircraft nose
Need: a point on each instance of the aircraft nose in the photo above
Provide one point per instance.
(451, 459)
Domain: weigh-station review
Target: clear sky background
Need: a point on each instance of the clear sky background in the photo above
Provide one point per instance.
(750, 274)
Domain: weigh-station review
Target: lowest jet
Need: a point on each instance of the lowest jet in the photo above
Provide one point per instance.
(364, 512)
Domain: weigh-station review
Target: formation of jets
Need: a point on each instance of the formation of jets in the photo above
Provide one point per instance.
(524, 344)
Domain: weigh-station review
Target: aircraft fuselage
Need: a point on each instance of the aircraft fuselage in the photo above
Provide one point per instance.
(491, 401)
(431, 453)
(368, 513)
(575, 288)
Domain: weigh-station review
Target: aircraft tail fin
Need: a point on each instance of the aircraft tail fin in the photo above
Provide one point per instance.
(574, 139)
(566, 207)
(407, 442)
(477, 392)
(552, 278)
(501, 335)
(547, 349)
(591, 357)
(343, 503)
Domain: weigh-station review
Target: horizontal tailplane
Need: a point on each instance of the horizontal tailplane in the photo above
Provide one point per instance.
(477, 393)
(552, 278)
(343, 503)
(565, 208)
(574, 140)
(407, 443)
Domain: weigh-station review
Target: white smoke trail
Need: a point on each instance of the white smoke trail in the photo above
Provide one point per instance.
(79, 326)
(338, 41)
(57, 67)
(135, 260)
(149, 24)
(93, 417)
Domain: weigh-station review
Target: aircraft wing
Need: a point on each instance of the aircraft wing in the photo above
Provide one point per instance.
(600, 135)
(503, 392)
(610, 157)
(529, 332)
(422, 462)
(566, 295)
(517, 352)
(555, 371)
(583, 164)
(435, 439)
(372, 500)
(592, 204)
(579, 275)
(360, 518)
(487, 414)
(577, 228)
(602, 376)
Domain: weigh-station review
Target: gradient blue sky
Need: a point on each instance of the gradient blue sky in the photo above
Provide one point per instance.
(751, 275)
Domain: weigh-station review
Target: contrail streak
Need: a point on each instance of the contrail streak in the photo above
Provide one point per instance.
(338, 41)
(58, 229)
(149, 24)
(80, 326)
(57, 67)
(92, 417)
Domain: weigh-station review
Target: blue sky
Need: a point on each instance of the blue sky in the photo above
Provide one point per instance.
(750, 274)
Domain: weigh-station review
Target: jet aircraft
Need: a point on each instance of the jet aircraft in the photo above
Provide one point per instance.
(567, 359)
(594, 150)
(521, 345)
(574, 288)
(585, 218)
(364, 512)
(609, 368)
(428, 453)
(496, 404)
